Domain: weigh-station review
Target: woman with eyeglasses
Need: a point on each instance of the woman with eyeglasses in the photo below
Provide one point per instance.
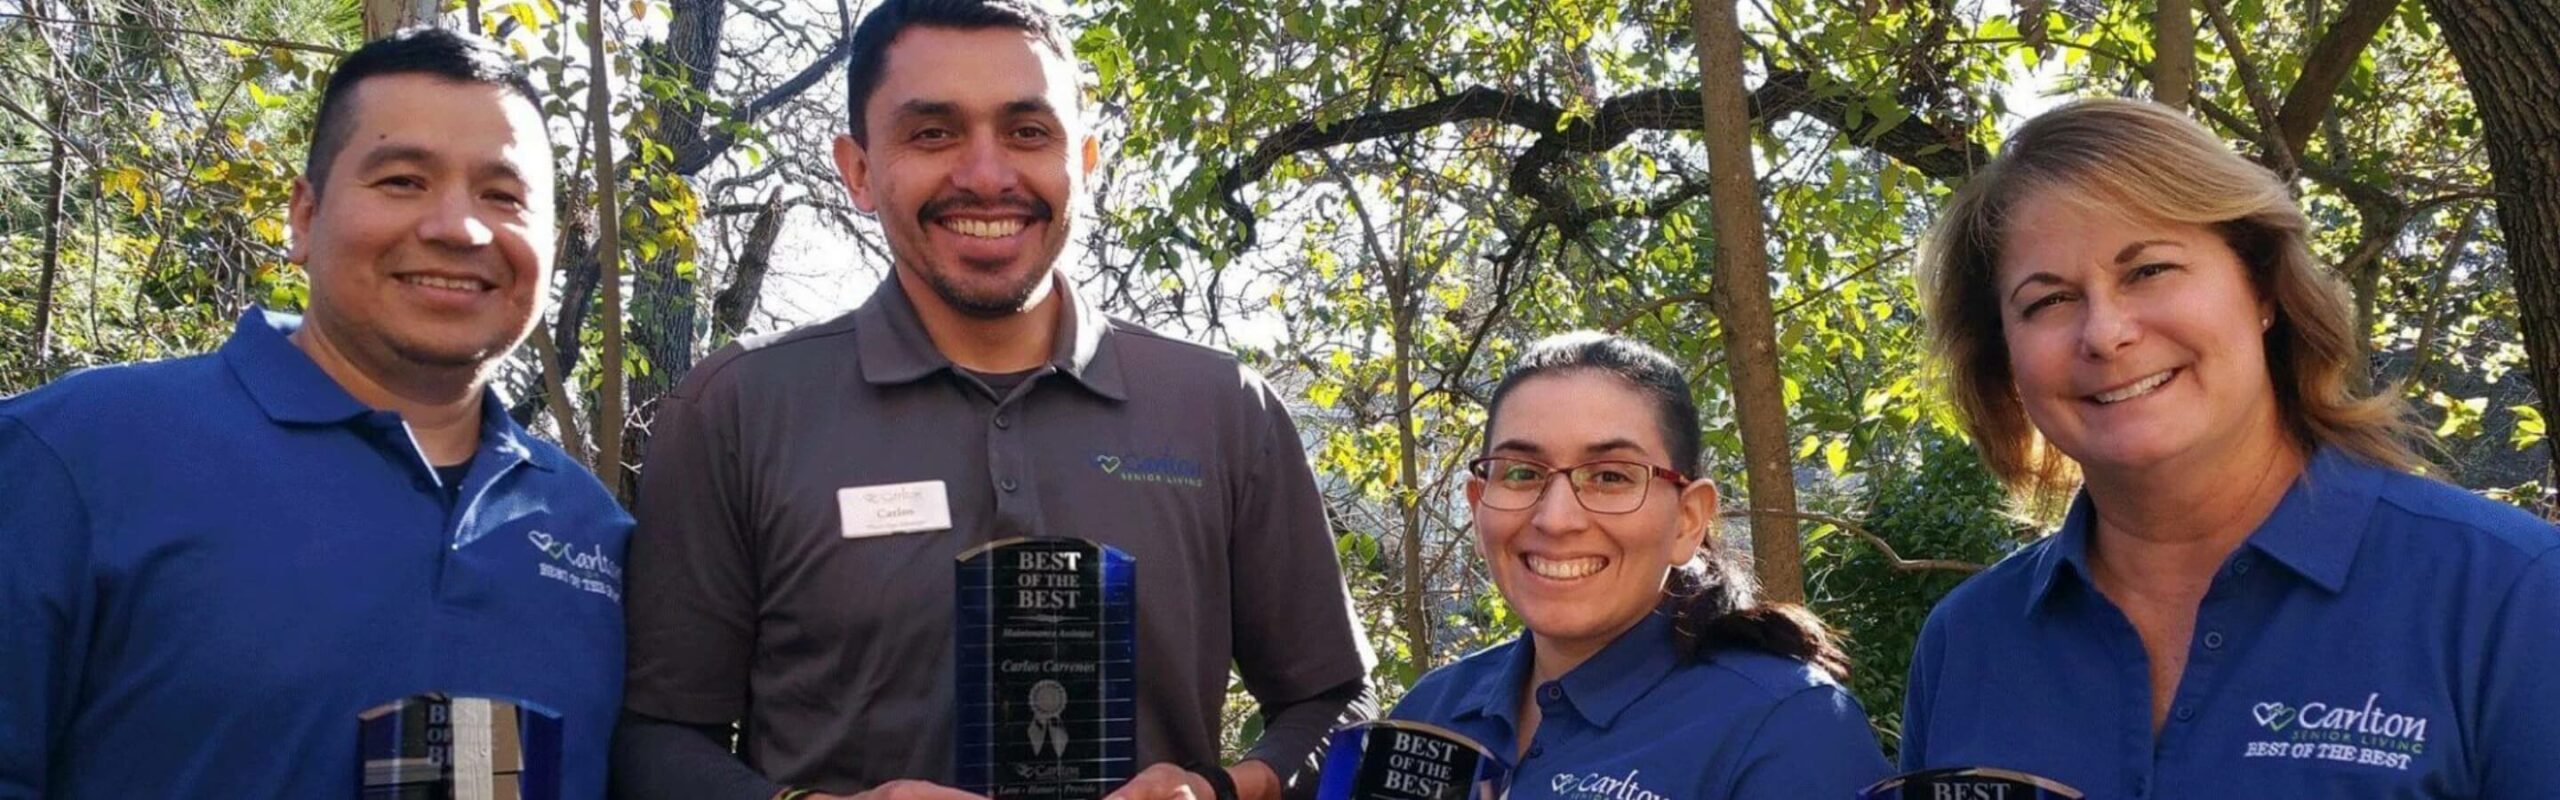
(1646, 671)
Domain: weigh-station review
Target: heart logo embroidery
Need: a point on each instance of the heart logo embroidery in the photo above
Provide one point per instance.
(1109, 464)
(545, 543)
(1561, 783)
(2275, 716)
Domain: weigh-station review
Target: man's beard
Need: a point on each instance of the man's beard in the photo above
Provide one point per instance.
(1004, 302)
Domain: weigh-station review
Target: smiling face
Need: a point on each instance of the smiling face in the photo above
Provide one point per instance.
(975, 163)
(2132, 343)
(1579, 579)
(430, 245)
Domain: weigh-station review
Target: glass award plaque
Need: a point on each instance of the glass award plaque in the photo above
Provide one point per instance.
(1398, 760)
(1046, 669)
(1969, 783)
(452, 747)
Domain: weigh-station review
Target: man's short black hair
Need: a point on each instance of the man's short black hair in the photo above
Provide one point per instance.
(871, 39)
(441, 52)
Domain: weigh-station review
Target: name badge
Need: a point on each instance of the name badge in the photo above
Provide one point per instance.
(891, 508)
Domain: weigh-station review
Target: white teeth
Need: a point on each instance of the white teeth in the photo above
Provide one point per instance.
(984, 229)
(1564, 570)
(2136, 390)
(433, 282)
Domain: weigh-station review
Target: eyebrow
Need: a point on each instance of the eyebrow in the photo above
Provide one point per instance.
(2136, 249)
(927, 108)
(945, 108)
(413, 154)
(2123, 256)
(1600, 448)
(2037, 279)
(395, 153)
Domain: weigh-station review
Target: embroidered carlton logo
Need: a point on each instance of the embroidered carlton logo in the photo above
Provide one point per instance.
(2369, 734)
(1157, 469)
(588, 571)
(1601, 786)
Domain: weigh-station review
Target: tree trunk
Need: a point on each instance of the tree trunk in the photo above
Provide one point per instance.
(731, 309)
(52, 235)
(664, 306)
(2422, 356)
(381, 17)
(2173, 63)
(608, 466)
(1415, 607)
(1742, 287)
(2510, 56)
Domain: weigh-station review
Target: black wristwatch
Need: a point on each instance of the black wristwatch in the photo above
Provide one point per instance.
(1222, 786)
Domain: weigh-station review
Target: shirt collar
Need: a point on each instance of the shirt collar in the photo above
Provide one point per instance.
(2315, 531)
(280, 377)
(1600, 689)
(294, 391)
(894, 347)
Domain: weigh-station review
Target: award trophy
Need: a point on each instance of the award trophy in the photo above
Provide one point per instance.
(1968, 783)
(1047, 655)
(447, 747)
(1397, 760)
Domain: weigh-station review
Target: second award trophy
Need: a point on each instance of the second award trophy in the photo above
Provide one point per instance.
(1398, 760)
(1046, 679)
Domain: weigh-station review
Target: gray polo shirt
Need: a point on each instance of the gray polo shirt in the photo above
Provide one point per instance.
(746, 601)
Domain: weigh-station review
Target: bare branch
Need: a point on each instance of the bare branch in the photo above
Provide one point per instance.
(2253, 83)
(1885, 549)
(307, 48)
(1934, 147)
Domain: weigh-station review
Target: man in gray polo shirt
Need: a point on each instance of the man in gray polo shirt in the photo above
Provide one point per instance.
(754, 601)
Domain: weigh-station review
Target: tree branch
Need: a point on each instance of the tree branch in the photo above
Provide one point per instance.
(2327, 65)
(2253, 83)
(1884, 549)
(1935, 148)
(307, 48)
(692, 160)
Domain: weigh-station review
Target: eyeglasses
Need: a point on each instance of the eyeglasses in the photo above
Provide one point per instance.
(1602, 487)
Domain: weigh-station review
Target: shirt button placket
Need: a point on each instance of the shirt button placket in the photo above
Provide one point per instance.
(1005, 462)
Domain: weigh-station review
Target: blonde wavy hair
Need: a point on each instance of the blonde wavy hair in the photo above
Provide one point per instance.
(2149, 163)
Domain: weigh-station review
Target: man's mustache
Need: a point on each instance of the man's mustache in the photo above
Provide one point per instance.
(943, 206)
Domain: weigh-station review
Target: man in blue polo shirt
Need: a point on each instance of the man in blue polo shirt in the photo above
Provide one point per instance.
(214, 565)
(2379, 635)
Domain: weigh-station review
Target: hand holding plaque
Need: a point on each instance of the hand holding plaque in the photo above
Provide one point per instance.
(1395, 760)
(1046, 685)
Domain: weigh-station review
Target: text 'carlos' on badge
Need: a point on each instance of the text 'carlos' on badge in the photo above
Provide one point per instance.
(892, 508)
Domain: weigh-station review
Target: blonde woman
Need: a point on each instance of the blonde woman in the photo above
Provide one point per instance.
(2251, 596)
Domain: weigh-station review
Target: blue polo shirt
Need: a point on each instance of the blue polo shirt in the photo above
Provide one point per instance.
(210, 566)
(1637, 723)
(2380, 635)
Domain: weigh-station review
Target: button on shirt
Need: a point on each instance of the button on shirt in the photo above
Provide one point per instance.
(754, 599)
(1636, 723)
(210, 566)
(2381, 635)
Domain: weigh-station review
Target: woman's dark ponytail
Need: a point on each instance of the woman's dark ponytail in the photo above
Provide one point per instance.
(1713, 607)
